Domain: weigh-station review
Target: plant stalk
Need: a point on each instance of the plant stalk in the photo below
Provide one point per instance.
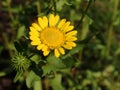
(38, 7)
(109, 37)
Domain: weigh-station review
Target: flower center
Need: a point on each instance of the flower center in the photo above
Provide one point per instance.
(52, 37)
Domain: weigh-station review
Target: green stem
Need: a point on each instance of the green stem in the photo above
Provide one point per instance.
(84, 13)
(38, 7)
(109, 37)
(46, 82)
(9, 10)
(37, 85)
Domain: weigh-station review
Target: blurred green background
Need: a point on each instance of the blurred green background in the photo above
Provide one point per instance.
(93, 65)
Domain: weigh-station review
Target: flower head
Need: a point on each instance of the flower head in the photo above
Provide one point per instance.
(50, 34)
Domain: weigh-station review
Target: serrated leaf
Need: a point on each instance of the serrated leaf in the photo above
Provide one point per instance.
(47, 69)
(31, 78)
(53, 64)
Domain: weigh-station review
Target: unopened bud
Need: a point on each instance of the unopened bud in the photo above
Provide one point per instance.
(20, 62)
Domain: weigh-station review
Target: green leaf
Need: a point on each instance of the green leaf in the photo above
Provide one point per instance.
(35, 58)
(18, 76)
(56, 62)
(61, 3)
(31, 79)
(53, 64)
(56, 82)
(87, 21)
(21, 32)
(47, 69)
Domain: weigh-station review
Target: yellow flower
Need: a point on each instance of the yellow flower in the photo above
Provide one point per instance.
(50, 34)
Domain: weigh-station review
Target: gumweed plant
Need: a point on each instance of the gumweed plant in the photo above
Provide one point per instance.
(51, 42)
(60, 44)
(50, 36)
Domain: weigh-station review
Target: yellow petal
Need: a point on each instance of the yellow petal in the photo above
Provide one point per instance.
(45, 48)
(67, 46)
(56, 52)
(46, 21)
(36, 26)
(32, 37)
(65, 26)
(69, 28)
(33, 31)
(56, 19)
(40, 46)
(45, 53)
(35, 42)
(61, 23)
(43, 22)
(71, 38)
(34, 34)
(71, 33)
(71, 44)
(53, 20)
(61, 50)
(51, 17)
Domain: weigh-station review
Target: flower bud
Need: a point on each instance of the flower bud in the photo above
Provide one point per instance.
(20, 62)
